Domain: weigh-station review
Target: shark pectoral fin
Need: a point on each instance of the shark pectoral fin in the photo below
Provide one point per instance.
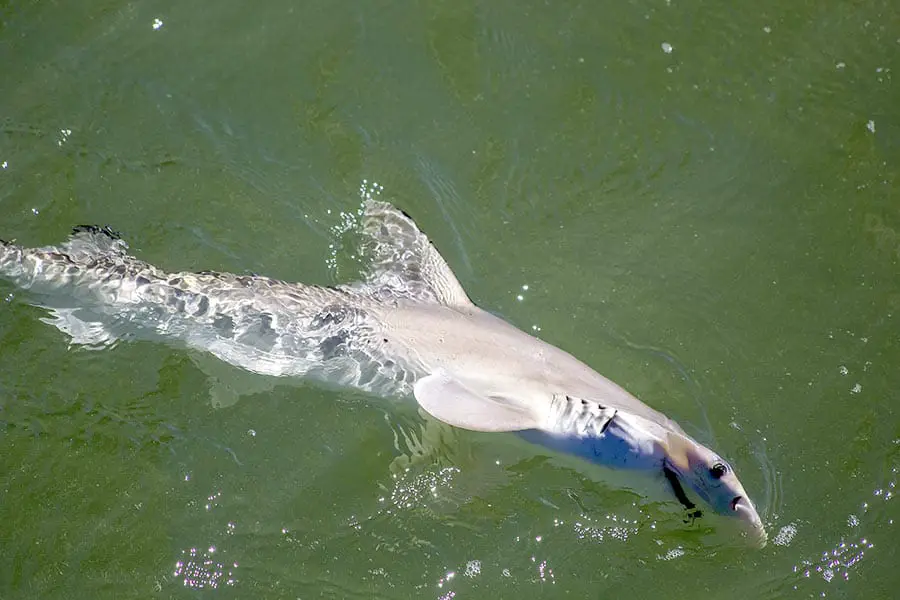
(449, 400)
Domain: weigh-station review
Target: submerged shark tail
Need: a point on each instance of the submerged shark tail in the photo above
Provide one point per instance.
(92, 241)
(10, 257)
(97, 293)
(93, 263)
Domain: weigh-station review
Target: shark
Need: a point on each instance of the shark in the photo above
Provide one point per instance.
(407, 328)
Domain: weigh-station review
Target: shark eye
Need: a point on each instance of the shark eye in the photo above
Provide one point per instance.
(718, 470)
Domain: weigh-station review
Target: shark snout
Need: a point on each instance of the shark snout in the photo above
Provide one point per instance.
(746, 512)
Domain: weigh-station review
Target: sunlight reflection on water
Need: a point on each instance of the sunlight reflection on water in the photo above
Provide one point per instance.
(836, 564)
(611, 526)
(199, 570)
(408, 495)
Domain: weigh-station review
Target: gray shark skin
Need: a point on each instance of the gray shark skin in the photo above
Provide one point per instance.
(407, 329)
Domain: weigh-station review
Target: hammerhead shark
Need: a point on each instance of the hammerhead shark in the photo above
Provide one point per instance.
(408, 328)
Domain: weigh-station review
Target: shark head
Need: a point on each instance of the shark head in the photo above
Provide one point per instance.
(715, 481)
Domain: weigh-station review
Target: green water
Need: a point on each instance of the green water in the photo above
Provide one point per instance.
(716, 228)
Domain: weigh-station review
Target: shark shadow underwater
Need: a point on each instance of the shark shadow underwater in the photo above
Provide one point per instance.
(407, 329)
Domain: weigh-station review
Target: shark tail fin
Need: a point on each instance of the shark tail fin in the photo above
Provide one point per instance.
(89, 251)
(91, 241)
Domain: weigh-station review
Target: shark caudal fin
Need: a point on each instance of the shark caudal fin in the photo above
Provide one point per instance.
(404, 263)
(89, 255)
(87, 242)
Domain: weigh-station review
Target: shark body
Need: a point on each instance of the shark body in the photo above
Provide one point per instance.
(408, 329)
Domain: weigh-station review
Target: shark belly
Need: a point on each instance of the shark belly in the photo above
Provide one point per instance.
(625, 442)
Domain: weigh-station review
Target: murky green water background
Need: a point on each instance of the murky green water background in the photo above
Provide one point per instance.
(700, 198)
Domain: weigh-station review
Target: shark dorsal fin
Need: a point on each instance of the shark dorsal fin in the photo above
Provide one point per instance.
(404, 263)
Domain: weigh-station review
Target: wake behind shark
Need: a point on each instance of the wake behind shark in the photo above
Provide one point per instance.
(407, 329)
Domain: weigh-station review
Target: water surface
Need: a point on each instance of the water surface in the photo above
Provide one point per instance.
(700, 201)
